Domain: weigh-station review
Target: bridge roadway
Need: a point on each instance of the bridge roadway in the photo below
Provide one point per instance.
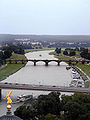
(43, 87)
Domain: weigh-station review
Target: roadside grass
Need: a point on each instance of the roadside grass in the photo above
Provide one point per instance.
(11, 68)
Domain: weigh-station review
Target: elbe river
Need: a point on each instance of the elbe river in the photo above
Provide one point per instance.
(38, 75)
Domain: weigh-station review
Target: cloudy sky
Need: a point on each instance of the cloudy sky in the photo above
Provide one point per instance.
(45, 17)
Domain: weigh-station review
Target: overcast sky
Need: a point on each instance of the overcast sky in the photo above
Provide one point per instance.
(45, 16)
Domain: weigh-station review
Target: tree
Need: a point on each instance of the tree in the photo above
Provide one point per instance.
(7, 54)
(85, 54)
(51, 117)
(76, 49)
(76, 107)
(49, 104)
(58, 50)
(19, 51)
(82, 48)
(26, 113)
(65, 52)
(72, 53)
(48, 107)
(1, 55)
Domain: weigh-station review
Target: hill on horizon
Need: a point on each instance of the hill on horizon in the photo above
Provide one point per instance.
(67, 38)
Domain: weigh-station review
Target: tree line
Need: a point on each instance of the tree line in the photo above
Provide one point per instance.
(7, 51)
(84, 52)
(56, 107)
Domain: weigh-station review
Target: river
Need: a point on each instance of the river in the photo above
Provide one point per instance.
(39, 75)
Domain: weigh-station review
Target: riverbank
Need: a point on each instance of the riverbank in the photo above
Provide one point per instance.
(34, 50)
(11, 68)
(83, 69)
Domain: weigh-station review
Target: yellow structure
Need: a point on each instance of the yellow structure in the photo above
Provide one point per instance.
(9, 101)
(8, 107)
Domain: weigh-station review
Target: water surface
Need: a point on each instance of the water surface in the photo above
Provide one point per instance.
(38, 75)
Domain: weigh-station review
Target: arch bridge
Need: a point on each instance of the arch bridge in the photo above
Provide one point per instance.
(13, 61)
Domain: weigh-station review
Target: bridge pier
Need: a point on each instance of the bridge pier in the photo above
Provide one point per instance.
(58, 63)
(34, 63)
(22, 62)
(0, 94)
(46, 63)
(70, 62)
(15, 61)
(10, 62)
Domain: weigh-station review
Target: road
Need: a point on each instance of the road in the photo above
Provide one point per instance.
(43, 87)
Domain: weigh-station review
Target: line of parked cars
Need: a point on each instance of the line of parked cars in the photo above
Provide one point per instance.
(77, 80)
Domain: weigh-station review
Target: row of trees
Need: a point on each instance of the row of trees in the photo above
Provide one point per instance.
(4, 55)
(54, 107)
(16, 49)
(68, 51)
(75, 49)
(72, 52)
(7, 51)
(85, 54)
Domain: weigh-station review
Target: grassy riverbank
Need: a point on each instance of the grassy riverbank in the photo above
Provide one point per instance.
(60, 56)
(85, 68)
(32, 50)
(11, 68)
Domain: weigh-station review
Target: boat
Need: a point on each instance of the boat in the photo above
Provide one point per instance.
(23, 98)
(40, 55)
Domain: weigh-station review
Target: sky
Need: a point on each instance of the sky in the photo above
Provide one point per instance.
(53, 17)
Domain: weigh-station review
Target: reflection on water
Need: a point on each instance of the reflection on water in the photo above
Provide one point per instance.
(39, 74)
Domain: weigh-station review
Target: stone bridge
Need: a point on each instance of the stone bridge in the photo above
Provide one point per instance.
(12, 61)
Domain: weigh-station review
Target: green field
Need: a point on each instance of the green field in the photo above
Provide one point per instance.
(11, 68)
(85, 68)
